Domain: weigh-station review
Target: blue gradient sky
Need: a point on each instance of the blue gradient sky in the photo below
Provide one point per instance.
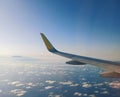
(85, 27)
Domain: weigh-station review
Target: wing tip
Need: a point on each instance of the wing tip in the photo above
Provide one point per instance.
(47, 43)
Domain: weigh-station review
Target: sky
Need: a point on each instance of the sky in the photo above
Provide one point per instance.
(83, 27)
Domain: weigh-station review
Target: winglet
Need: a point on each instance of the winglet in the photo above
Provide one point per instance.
(48, 45)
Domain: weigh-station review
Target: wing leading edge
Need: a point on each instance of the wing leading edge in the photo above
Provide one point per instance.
(112, 68)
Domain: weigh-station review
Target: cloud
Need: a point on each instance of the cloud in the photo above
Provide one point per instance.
(86, 85)
(49, 87)
(96, 92)
(0, 91)
(57, 95)
(83, 79)
(77, 94)
(65, 91)
(85, 95)
(50, 81)
(66, 83)
(105, 92)
(74, 85)
(103, 89)
(30, 85)
(5, 80)
(115, 84)
(92, 95)
(18, 92)
(51, 94)
(98, 84)
(16, 83)
(71, 84)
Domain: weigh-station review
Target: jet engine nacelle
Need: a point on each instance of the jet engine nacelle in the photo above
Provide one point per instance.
(75, 63)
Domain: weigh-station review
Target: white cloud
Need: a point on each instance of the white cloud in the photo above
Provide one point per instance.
(5, 80)
(86, 85)
(98, 84)
(18, 92)
(105, 92)
(92, 95)
(77, 94)
(0, 91)
(50, 81)
(103, 89)
(96, 91)
(85, 94)
(57, 95)
(31, 84)
(74, 85)
(16, 83)
(28, 87)
(51, 94)
(66, 83)
(49, 87)
(115, 84)
(83, 79)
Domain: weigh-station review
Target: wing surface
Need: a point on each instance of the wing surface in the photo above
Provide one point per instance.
(107, 65)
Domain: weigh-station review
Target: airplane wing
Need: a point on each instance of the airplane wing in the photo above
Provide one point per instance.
(112, 68)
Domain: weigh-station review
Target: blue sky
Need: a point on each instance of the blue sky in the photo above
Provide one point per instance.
(83, 27)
